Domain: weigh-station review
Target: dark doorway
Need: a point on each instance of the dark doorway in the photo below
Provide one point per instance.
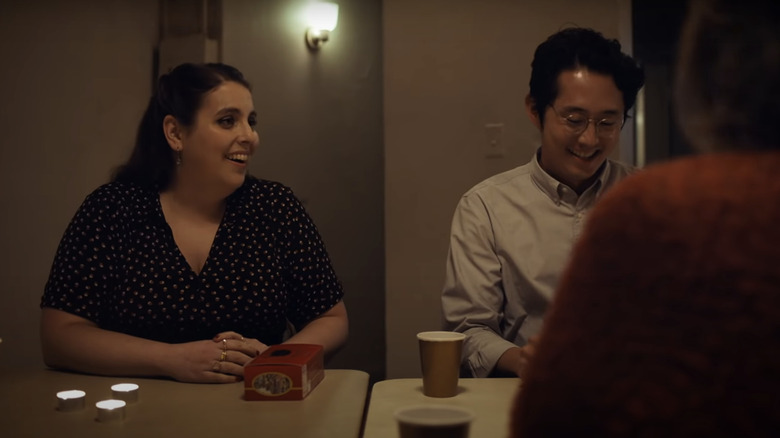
(656, 30)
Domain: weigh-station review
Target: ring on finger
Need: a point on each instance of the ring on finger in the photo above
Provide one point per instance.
(223, 356)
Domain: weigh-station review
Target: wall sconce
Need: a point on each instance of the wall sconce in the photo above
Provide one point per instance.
(322, 18)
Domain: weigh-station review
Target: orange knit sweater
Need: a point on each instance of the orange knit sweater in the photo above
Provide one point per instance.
(667, 321)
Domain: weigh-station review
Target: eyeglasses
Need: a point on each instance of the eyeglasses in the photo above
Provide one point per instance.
(576, 123)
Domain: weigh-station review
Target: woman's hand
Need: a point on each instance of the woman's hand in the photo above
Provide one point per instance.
(201, 362)
(74, 343)
(246, 349)
(220, 360)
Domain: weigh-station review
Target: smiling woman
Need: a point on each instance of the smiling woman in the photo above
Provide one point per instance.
(184, 265)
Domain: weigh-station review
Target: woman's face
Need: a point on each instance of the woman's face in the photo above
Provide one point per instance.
(217, 148)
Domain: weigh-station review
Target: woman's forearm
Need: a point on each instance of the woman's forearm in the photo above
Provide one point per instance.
(329, 330)
(71, 342)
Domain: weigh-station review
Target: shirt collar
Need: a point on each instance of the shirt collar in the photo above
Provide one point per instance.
(559, 192)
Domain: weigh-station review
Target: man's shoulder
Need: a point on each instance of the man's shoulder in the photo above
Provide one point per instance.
(620, 166)
(619, 170)
(507, 180)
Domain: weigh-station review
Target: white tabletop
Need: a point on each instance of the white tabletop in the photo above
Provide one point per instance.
(490, 399)
(172, 409)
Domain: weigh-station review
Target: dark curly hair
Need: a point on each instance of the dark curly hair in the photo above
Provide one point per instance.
(577, 47)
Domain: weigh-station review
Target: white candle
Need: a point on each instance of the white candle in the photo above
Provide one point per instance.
(110, 410)
(70, 400)
(125, 391)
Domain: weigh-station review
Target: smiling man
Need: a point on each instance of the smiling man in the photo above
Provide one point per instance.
(512, 233)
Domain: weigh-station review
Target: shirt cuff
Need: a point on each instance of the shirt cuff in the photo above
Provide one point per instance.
(482, 361)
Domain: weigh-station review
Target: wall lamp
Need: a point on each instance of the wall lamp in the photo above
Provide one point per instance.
(322, 18)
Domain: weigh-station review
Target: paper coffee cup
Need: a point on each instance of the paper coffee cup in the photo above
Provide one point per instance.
(433, 421)
(440, 362)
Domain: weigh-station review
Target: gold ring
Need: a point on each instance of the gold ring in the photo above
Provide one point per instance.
(223, 356)
(224, 344)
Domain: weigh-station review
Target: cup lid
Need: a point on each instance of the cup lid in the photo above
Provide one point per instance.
(434, 415)
(440, 336)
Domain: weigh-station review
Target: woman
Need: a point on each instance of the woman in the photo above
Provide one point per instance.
(667, 320)
(164, 270)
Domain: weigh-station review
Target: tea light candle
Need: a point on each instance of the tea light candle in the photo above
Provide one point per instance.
(125, 391)
(70, 400)
(110, 410)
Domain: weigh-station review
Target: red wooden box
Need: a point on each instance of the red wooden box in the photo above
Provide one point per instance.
(284, 372)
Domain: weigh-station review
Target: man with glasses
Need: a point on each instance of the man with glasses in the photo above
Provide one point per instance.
(512, 233)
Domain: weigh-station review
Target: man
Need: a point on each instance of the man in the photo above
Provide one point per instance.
(512, 233)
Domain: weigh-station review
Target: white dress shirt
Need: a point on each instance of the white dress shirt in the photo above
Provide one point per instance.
(511, 238)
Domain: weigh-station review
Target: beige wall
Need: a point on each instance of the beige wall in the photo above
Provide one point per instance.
(320, 124)
(76, 77)
(452, 66)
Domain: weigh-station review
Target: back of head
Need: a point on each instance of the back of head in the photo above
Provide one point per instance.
(576, 48)
(180, 94)
(666, 322)
(728, 76)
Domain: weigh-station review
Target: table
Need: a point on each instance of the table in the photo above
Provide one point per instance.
(491, 401)
(173, 409)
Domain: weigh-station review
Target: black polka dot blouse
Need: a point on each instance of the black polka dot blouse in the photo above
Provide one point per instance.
(118, 265)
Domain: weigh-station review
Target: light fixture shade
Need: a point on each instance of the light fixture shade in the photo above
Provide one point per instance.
(322, 16)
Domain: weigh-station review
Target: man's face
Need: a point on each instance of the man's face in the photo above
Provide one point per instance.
(570, 154)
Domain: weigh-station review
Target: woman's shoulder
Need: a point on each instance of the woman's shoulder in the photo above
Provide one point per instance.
(691, 188)
(120, 195)
(698, 176)
(265, 197)
(266, 190)
(122, 191)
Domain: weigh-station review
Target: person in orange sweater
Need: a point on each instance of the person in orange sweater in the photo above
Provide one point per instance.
(667, 319)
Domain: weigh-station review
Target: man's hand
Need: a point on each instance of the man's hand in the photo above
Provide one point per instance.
(527, 353)
(515, 360)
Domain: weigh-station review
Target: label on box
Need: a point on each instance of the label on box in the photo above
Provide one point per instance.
(284, 372)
